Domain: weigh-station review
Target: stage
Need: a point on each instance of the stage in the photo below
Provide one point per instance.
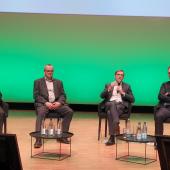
(87, 153)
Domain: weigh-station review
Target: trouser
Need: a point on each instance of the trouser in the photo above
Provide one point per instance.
(160, 116)
(114, 110)
(2, 114)
(1, 123)
(65, 111)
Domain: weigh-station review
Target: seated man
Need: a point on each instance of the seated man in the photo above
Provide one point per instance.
(49, 95)
(3, 112)
(117, 97)
(162, 110)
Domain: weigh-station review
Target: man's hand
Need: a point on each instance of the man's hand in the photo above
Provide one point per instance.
(49, 105)
(119, 90)
(56, 105)
(111, 86)
(167, 94)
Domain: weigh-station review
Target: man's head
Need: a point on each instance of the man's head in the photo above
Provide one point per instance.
(48, 71)
(119, 75)
(169, 71)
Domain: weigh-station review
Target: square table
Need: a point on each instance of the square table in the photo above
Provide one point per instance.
(130, 157)
(51, 155)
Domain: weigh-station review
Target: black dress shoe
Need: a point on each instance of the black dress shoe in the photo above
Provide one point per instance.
(111, 141)
(64, 140)
(38, 144)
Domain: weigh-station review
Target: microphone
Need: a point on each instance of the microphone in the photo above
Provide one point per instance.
(118, 84)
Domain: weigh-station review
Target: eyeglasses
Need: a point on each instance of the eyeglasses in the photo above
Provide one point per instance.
(120, 74)
(49, 71)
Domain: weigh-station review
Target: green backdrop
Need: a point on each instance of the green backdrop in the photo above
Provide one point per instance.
(85, 51)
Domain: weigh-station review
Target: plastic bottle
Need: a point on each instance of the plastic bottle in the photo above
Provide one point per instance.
(51, 128)
(139, 132)
(43, 128)
(144, 131)
(128, 128)
(59, 127)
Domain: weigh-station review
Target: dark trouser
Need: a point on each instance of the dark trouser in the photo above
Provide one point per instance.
(3, 114)
(1, 123)
(65, 111)
(114, 110)
(160, 116)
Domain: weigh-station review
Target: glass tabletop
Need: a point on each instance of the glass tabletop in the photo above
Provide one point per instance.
(55, 136)
(132, 138)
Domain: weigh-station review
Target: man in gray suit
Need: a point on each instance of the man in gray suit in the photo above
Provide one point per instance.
(117, 97)
(49, 95)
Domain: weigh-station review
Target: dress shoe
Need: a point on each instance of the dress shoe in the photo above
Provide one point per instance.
(38, 144)
(64, 140)
(111, 141)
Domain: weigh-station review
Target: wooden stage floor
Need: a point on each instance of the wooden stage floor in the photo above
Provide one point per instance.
(87, 152)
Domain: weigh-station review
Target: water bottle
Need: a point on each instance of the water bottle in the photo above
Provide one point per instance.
(138, 132)
(59, 127)
(128, 128)
(51, 128)
(144, 131)
(43, 128)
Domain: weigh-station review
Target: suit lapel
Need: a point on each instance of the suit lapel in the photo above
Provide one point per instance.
(55, 84)
(43, 84)
(124, 87)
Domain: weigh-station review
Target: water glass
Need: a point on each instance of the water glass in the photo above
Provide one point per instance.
(124, 132)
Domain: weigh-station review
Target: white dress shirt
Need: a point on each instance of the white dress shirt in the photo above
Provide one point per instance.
(116, 96)
(50, 88)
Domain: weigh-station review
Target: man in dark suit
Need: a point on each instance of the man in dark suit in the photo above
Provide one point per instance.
(3, 112)
(162, 110)
(117, 97)
(49, 95)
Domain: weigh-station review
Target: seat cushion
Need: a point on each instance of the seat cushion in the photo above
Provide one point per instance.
(167, 120)
(53, 115)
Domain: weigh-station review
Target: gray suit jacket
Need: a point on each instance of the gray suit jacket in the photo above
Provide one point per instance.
(127, 99)
(41, 93)
(164, 99)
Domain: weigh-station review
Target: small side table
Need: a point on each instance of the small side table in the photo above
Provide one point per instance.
(49, 155)
(131, 158)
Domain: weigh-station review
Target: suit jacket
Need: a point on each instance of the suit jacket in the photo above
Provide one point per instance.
(164, 100)
(41, 93)
(164, 89)
(127, 99)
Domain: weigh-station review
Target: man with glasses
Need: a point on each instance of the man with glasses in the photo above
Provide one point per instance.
(162, 110)
(117, 96)
(49, 95)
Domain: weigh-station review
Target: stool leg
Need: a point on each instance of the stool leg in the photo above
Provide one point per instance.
(5, 125)
(105, 134)
(126, 123)
(99, 128)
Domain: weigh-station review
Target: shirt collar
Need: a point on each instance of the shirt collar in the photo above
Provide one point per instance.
(49, 80)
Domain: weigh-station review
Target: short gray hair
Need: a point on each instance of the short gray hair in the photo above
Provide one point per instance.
(48, 65)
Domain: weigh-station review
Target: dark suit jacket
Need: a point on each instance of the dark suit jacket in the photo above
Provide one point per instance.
(127, 99)
(164, 100)
(3, 106)
(41, 93)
